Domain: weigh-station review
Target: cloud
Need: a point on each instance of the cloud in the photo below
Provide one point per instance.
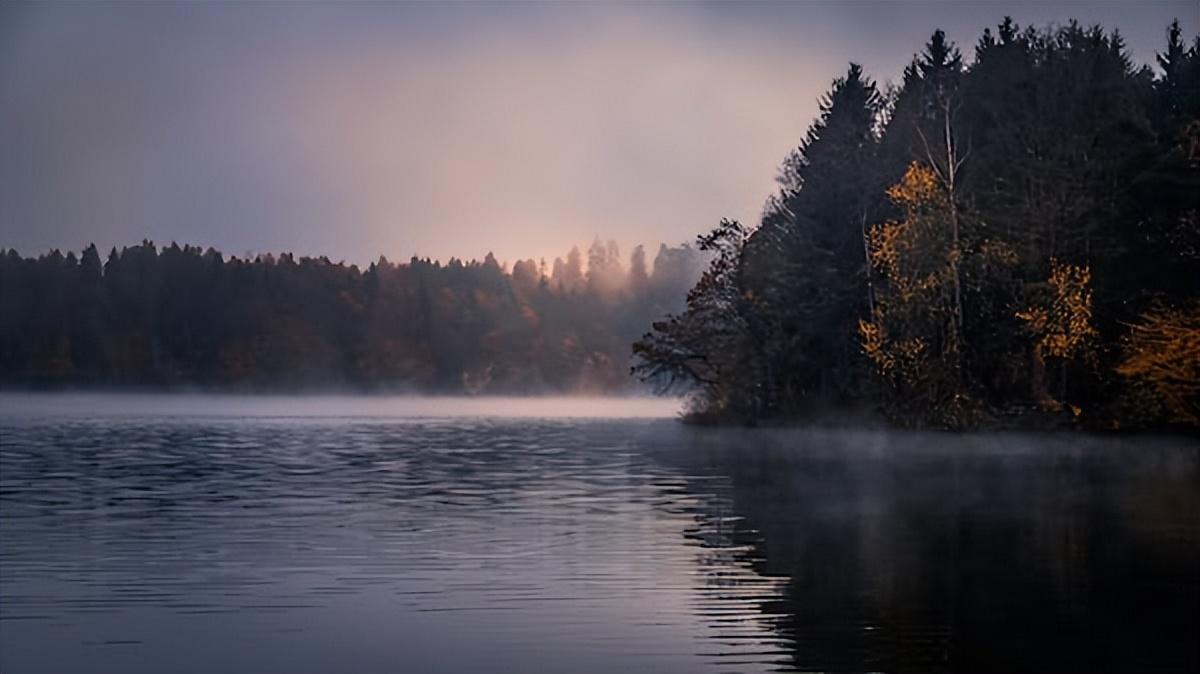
(359, 130)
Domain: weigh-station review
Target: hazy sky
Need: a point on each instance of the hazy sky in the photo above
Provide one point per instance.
(355, 130)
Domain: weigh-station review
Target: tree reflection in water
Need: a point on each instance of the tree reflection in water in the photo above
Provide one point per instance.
(932, 552)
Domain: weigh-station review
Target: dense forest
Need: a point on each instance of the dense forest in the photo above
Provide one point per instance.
(181, 316)
(1008, 238)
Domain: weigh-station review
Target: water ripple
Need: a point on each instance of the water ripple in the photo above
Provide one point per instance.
(269, 543)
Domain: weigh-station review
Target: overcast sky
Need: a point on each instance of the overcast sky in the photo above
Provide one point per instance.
(355, 130)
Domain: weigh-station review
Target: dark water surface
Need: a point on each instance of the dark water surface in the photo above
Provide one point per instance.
(341, 535)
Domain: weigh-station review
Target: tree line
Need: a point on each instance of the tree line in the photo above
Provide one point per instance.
(1011, 237)
(182, 316)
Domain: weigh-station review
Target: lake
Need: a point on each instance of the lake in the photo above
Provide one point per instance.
(182, 533)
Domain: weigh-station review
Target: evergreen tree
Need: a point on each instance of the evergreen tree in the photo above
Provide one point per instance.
(807, 262)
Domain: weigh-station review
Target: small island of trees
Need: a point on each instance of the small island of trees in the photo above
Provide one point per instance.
(1011, 240)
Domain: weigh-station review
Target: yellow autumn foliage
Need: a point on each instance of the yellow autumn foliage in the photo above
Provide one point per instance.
(918, 188)
(910, 337)
(1163, 353)
(1063, 326)
(875, 346)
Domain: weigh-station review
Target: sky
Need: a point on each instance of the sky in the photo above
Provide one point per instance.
(355, 130)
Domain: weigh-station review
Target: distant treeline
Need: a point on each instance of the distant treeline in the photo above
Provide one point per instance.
(1013, 236)
(183, 316)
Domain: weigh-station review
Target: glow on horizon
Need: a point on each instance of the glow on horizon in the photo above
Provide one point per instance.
(390, 408)
(356, 130)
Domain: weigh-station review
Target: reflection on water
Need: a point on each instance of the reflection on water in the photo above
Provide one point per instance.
(247, 541)
(932, 552)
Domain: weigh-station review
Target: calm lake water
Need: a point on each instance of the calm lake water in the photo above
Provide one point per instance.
(261, 535)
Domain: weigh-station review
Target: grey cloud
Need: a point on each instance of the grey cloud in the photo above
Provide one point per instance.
(356, 130)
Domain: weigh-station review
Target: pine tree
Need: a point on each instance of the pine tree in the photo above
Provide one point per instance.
(807, 262)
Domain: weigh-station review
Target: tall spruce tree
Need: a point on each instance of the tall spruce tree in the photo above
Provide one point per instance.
(808, 266)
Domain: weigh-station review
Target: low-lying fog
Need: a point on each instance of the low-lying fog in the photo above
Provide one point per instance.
(166, 405)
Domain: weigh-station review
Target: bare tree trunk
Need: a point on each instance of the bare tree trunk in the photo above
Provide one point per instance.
(867, 258)
(949, 176)
(952, 164)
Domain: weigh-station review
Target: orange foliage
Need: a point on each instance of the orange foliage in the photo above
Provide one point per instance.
(917, 189)
(916, 265)
(1063, 325)
(1163, 353)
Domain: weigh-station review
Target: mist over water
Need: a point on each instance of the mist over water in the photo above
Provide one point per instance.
(322, 534)
(165, 407)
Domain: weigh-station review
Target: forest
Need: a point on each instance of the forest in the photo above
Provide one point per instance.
(185, 317)
(1011, 238)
